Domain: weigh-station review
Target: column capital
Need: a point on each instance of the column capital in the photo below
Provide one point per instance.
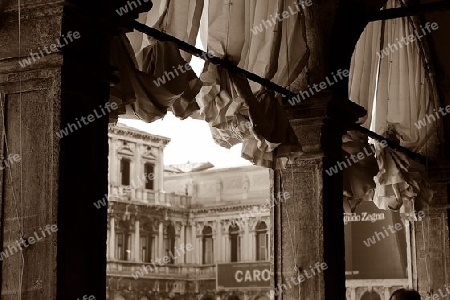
(178, 225)
(225, 226)
(324, 115)
(199, 225)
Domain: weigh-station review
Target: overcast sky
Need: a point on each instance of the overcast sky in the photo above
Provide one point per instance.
(191, 140)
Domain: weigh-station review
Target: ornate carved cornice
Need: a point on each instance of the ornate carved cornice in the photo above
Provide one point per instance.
(126, 131)
(239, 207)
(148, 208)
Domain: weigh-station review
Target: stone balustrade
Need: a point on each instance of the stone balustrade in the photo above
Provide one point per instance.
(129, 194)
(357, 288)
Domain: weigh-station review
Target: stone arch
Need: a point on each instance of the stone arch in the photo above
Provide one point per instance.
(119, 297)
(207, 230)
(370, 295)
(260, 225)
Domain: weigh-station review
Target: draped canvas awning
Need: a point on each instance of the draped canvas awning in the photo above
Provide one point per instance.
(392, 82)
(157, 71)
(395, 87)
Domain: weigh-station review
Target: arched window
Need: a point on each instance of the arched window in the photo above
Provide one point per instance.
(208, 247)
(118, 297)
(370, 296)
(235, 243)
(262, 241)
(170, 244)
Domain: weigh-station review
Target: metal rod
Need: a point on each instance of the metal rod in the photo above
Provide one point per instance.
(409, 10)
(161, 36)
(394, 145)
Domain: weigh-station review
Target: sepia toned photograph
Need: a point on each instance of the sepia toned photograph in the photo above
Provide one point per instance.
(224, 150)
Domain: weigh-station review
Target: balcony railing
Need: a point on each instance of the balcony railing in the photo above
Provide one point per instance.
(383, 287)
(142, 195)
(172, 199)
(178, 271)
(355, 287)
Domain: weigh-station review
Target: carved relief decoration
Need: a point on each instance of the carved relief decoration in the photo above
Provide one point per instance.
(225, 225)
(149, 155)
(127, 149)
(199, 227)
(155, 224)
(178, 226)
(213, 226)
(253, 222)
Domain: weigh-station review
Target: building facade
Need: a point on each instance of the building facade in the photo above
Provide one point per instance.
(194, 232)
(166, 234)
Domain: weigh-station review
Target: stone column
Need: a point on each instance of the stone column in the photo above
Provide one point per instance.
(225, 241)
(182, 258)
(42, 98)
(246, 243)
(199, 250)
(188, 240)
(112, 237)
(177, 246)
(113, 162)
(218, 243)
(161, 249)
(133, 181)
(269, 239)
(138, 173)
(241, 255)
(193, 241)
(137, 247)
(252, 247)
(429, 237)
(315, 207)
(226, 248)
(214, 242)
(155, 247)
(159, 173)
(314, 210)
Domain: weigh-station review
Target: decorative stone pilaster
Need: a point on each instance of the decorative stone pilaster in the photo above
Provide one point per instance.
(246, 243)
(430, 237)
(136, 240)
(161, 252)
(225, 226)
(49, 93)
(218, 248)
(308, 227)
(112, 236)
